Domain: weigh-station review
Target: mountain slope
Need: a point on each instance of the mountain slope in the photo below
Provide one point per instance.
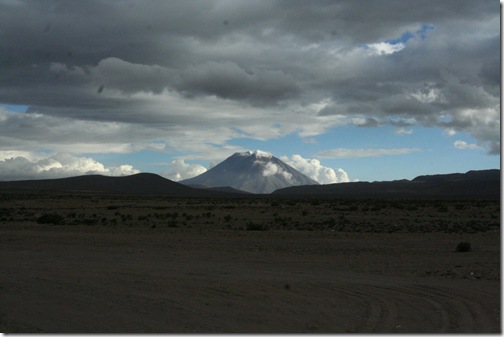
(473, 184)
(255, 172)
(137, 184)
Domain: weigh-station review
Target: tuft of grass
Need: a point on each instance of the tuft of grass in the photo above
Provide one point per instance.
(463, 247)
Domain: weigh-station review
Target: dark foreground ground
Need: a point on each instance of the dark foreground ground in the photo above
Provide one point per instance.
(126, 264)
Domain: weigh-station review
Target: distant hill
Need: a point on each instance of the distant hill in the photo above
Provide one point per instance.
(137, 184)
(483, 184)
(251, 171)
(473, 184)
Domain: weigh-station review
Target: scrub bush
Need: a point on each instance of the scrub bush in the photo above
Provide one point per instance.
(463, 247)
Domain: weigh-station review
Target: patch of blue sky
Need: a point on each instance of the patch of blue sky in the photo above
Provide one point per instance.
(361, 137)
(422, 32)
(406, 36)
(411, 165)
(383, 168)
(351, 137)
(401, 40)
(14, 108)
(432, 152)
(391, 46)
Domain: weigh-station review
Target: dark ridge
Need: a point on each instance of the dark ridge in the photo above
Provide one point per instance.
(470, 175)
(137, 184)
(483, 184)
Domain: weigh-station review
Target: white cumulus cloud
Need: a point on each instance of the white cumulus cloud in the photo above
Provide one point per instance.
(315, 170)
(272, 169)
(180, 170)
(59, 165)
(403, 131)
(123, 170)
(462, 145)
(383, 48)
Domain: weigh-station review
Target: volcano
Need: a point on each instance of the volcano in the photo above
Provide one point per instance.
(252, 171)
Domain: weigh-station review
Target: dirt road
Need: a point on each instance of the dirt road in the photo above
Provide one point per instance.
(78, 279)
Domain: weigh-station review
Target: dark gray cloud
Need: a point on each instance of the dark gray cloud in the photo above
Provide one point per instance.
(227, 80)
(160, 65)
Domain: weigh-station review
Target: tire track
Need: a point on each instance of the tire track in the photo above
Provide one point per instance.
(419, 309)
(475, 310)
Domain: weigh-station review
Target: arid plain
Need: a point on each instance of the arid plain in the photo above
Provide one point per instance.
(95, 263)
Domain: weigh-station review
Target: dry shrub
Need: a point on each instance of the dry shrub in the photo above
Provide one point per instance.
(463, 247)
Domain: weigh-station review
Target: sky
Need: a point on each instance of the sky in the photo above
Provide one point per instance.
(341, 90)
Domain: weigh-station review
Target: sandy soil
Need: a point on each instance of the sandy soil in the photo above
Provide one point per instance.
(106, 279)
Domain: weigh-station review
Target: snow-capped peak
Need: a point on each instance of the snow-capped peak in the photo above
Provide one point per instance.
(256, 153)
(252, 171)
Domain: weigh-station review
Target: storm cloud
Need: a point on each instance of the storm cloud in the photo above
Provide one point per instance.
(194, 75)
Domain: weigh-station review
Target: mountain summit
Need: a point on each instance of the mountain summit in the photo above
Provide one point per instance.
(251, 171)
